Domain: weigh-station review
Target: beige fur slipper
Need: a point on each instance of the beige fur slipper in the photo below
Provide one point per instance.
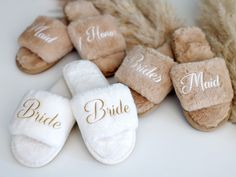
(205, 92)
(96, 37)
(43, 44)
(75, 10)
(146, 71)
(202, 83)
(190, 44)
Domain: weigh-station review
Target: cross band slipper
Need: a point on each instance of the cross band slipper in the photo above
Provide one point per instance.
(41, 125)
(43, 44)
(106, 114)
(148, 72)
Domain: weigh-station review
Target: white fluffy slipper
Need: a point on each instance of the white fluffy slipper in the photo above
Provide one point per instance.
(106, 114)
(41, 126)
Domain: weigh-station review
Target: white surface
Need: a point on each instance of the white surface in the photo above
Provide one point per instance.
(166, 144)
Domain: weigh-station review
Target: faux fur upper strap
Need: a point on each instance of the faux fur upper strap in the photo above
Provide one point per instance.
(96, 37)
(105, 112)
(146, 71)
(47, 38)
(202, 84)
(43, 116)
(83, 75)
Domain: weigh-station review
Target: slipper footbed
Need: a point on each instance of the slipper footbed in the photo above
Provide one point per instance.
(208, 119)
(30, 63)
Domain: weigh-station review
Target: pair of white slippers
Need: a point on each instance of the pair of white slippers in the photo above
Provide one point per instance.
(106, 115)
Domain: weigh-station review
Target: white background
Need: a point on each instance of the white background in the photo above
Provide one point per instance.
(167, 146)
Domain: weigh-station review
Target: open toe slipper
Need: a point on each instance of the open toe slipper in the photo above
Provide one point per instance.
(41, 126)
(205, 92)
(98, 39)
(190, 45)
(106, 114)
(42, 44)
(148, 72)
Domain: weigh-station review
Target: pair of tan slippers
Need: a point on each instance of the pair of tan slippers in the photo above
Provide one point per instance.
(96, 37)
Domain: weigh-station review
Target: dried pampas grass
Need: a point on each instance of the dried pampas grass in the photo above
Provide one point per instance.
(218, 20)
(145, 22)
(161, 14)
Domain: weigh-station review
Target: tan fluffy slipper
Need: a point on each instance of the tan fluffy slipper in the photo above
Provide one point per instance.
(148, 75)
(203, 81)
(205, 92)
(43, 44)
(143, 104)
(190, 44)
(96, 37)
(75, 10)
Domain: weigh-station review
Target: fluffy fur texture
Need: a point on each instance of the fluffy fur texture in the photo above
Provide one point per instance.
(31, 63)
(109, 139)
(96, 47)
(204, 109)
(143, 105)
(109, 64)
(50, 104)
(190, 44)
(148, 71)
(218, 20)
(203, 120)
(108, 126)
(76, 10)
(42, 45)
(149, 23)
(34, 145)
(48, 38)
(146, 22)
(106, 48)
(198, 98)
(83, 71)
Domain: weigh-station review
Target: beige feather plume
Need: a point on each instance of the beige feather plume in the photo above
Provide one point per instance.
(218, 20)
